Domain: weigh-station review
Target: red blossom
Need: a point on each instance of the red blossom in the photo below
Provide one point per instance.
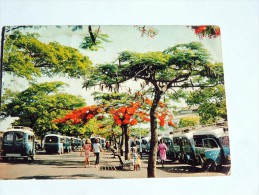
(206, 31)
(133, 122)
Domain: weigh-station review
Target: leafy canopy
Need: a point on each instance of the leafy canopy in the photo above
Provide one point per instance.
(211, 103)
(26, 56)
(38, 105)
(181, 66)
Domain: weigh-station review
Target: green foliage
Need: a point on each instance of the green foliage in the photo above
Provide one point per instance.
(26, 56)
(189, 121)
(211, 102)
(99, 127)
(138, 131)
(181, 66)
(38, 105)
(88, 43)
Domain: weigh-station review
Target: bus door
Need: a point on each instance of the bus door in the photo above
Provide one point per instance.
(212, 150)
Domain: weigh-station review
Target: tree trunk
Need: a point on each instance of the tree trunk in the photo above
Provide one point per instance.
(151, 169)
(126, 142)
(121, 143)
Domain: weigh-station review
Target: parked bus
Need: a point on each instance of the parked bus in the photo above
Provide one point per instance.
(76, 144)
(67, 144)
(53, 143)
(18, 142)
(184, 148)
(145, 144)
(212, 147)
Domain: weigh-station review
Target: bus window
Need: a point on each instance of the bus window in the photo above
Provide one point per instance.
(186, 142)
(51, 139)
(9, 137)
(18, 137)
(224, 140)
(176, 141)
(29, 138)
(210, 143)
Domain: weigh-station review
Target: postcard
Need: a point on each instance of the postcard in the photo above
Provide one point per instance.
(113, 102)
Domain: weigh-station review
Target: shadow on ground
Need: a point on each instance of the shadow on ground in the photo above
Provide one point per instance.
(76, 176)
(191, 169)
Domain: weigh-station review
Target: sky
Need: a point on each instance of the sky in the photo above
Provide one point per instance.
(121, 38)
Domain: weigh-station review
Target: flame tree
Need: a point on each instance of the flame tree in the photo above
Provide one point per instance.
(178, 67)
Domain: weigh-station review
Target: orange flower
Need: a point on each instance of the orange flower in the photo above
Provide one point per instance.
(133, 122)
(148, 101)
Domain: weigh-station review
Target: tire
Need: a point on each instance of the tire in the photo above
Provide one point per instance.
(32, 158)
(203, 164)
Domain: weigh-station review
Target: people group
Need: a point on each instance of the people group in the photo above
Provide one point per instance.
(135, 156)
(95, 148)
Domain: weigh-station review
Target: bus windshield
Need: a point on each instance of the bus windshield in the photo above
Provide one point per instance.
(14, 136)
(51, 139)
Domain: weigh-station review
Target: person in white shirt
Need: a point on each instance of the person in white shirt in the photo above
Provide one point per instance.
(97, 149)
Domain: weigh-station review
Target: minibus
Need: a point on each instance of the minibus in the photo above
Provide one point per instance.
(18, 142)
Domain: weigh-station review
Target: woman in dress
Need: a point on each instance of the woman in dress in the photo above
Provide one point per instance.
(87, 149)
(162, 151)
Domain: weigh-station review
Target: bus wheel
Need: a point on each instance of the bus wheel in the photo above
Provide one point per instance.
(26, 158)
(214, 167)
(203, 164)
(32, 158)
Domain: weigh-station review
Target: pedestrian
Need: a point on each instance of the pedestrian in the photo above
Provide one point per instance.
(162, 151)
(87, 148)
(97, 149)
(138, 162)
(133, 144)
(135, 157)
(107, 145)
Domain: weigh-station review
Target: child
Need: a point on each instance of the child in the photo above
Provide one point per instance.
(136, 159)
(138, 163)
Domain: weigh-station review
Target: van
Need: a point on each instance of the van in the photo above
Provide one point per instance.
(212, 147)
(18, 142)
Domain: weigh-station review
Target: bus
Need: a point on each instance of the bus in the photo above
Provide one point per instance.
(67, 144)
(184, 148)
(212, 147)
(18, 142)
(53, 143)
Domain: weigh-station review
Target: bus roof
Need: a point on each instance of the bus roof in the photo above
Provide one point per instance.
(215, 131)
(53, 135)
(188, 135)
(20, 128)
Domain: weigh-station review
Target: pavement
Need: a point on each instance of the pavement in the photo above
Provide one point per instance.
(71, 166)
